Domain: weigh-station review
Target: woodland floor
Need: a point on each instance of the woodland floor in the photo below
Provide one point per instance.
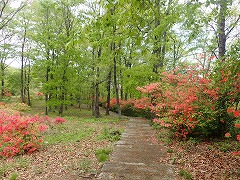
(64, 157)
(203, 160)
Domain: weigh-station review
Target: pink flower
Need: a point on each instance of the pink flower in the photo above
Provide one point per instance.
(238, 137)
(227, 135)
(236, 113)
(237, 125)
(59, 120)
(236, 153)
(42, 128)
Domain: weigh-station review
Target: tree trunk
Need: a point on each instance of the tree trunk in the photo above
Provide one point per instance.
(28, 83)
(93, 99)
(22, 67)
(46, 94)
(97, 112)
(115, 79)
(63, 91)
(108, 92)
(3, 79)
(221, 30)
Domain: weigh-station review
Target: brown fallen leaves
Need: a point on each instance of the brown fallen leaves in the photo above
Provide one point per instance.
(205, 160)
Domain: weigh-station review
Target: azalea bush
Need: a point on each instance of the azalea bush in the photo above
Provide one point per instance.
(193, 102)
(20, 134)
(130, 108)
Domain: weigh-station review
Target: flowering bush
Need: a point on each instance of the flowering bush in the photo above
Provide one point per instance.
(59, 120)
(130, 108)
(20, 134)
(189, 101)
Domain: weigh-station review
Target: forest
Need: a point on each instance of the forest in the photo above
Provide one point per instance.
(175, 62)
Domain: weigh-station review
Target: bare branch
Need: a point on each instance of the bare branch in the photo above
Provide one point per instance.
(7, 19)
(234, 25)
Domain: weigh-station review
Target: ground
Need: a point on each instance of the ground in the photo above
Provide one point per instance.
(212, 159)
(69, 151)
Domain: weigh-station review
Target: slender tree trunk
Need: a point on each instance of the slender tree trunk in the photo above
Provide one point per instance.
(93, 86)
(97, 112)
(93, 99)
(46, 94)
(108, 92)
(22, 67)
(113, 49)
(221, 29)
(3, 79)
(28, 83)
(115, 79)
(121, 90)
(63, 91)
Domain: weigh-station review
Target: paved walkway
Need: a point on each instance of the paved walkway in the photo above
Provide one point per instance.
(136, 156)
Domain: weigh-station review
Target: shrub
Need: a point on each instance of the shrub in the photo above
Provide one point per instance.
(20, 134)
(131, 108)
(192, 102)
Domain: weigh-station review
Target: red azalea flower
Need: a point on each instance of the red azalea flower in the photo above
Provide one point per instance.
(227, 135)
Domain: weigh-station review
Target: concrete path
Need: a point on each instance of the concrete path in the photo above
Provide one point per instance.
(137, 156)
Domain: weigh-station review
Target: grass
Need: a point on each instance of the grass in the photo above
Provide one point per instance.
(19, 162)
(111, 135)
(84, 165)
(103, 154)
(227, 145)
(185, 174)
(14, 176)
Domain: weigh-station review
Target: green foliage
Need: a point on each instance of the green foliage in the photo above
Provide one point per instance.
(185, 174)
(3, 169)
(103, 154)
(227, 145)
(12, 80)
(14, 176)
(110, 134)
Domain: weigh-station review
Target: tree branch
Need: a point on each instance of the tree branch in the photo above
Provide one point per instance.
(234, 25)
(6, 20)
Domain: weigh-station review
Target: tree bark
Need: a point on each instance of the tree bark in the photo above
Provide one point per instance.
(97, 112)
(115, 78)
(28, 83)
(221, 30)
(3, 78)
(108, 92)
(22, 65)
(46, 94)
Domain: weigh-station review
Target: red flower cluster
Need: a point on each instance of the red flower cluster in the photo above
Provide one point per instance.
(20, 134)
(59, 120)
(190, 99)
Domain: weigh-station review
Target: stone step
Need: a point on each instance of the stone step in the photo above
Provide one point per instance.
(132, 171)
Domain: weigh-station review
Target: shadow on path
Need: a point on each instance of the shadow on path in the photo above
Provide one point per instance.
(137, 156)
